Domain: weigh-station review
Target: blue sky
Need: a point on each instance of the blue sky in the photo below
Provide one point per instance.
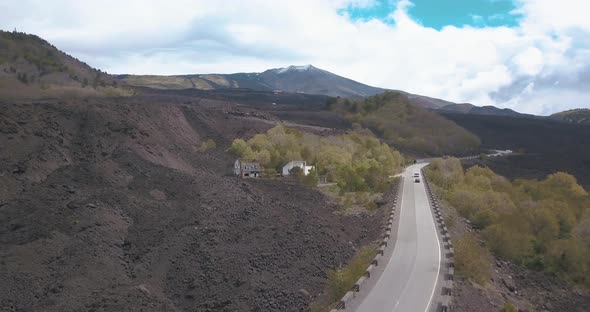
(529, 55)
(440, 13)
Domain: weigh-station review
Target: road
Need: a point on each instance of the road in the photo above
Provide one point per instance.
(409, 281)
(497, 153)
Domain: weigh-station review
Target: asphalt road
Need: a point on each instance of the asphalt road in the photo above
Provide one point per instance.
(409, 281)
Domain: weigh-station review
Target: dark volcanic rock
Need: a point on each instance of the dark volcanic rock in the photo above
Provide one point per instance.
(112, 209)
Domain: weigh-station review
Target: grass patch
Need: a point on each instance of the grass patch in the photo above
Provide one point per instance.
(508, 307)
(341, 280)
(206, 146)
(472, 260)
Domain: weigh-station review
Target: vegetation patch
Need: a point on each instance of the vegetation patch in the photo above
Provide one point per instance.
(406, 126)
(356, 162)
(472, 260)
(206, 146)
(542, 224)
(508, 307)
(341, 280)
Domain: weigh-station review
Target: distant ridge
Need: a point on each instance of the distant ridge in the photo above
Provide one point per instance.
(578, 116)
(297, 79)
(32, 67)
(306, 79)
(466, 108)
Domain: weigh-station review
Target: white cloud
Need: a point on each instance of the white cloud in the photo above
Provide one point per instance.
(529, 62)
(479, 65)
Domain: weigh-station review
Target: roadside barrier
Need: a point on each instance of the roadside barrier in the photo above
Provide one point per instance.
(344, 303)
(444, 304)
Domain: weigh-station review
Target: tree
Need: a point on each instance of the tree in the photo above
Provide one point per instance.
(572, 258)
(311, 179)
(508, 242)
(240, 148)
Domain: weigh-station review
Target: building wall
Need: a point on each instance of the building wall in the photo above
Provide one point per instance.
(301, 164)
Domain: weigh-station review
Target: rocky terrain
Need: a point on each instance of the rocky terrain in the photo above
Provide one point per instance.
(543, 146)
(106, 204)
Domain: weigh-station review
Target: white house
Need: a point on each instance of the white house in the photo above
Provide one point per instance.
(297, 163)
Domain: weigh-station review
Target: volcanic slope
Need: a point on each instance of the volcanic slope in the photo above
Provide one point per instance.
(110, 204)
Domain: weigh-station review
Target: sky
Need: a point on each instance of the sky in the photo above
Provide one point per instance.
(529, 55)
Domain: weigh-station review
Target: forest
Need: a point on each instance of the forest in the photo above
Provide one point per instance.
(541, 224)
(356, 161)
(405, 126)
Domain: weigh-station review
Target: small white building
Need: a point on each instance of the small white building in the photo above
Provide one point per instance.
(247, 168)
(297, 163)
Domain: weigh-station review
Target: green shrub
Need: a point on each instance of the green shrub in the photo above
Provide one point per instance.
(509, 242)
(542, 224)
(311, 179)
(508, 307)
(207, 145)
(341, 280)
(472, 260)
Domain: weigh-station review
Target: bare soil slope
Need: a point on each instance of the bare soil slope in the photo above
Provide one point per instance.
(105, 205)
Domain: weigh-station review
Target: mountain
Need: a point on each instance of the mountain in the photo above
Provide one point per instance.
(32, 67)
(578, 116)
(297, 79)
(306, 79)
(466, 108)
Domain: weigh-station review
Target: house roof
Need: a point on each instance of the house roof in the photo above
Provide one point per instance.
(251, 166)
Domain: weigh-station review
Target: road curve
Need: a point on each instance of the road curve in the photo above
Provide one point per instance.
(410, 278)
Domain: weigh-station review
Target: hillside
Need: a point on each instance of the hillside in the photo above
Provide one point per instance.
(426, 101)
(577, 116)
(31, 67)
(547, 146)
(114, 205)
(466, 108)
(410, 128)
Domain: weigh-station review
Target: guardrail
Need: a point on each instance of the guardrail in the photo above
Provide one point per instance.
(448, 251)
(344, 302)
